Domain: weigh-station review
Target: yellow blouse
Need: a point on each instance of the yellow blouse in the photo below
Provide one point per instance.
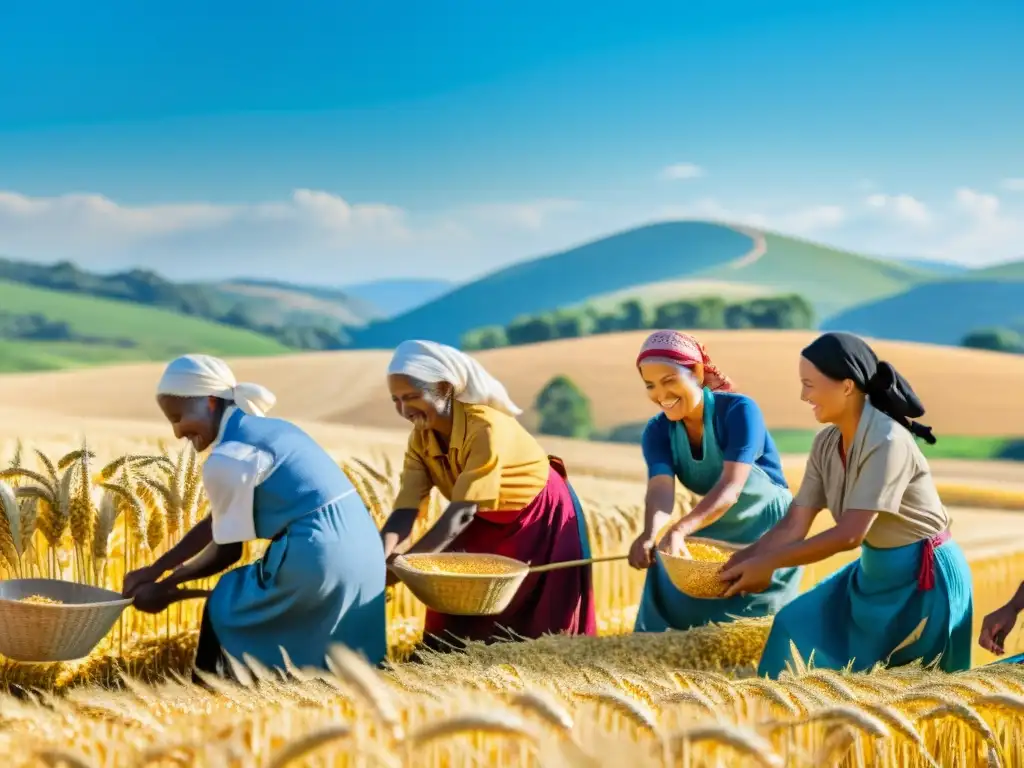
(491, 460)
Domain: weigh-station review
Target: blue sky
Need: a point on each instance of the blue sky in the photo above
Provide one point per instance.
(445, 139)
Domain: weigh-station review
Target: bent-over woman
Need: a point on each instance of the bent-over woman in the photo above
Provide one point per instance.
(714, 441)
(321, 580)
(507, 496)
(908, 596)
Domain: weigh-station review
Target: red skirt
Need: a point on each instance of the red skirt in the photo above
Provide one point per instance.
(545, 531)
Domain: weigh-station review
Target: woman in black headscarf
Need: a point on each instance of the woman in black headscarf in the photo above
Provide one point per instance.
(908, 596)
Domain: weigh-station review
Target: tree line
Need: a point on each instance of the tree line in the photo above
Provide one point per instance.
(995, 340)
(707, 313)
(143, 286)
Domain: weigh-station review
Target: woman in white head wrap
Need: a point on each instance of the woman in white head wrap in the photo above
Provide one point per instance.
(507, 496)
(321, 580)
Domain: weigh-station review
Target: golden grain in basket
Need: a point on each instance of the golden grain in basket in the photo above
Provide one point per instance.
(696, 574)
(462, 583)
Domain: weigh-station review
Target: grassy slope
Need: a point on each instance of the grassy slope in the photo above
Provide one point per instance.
(300, 303)
(157, 334)
(943, 312)
(829, 278)
(794, 441)
(643, 256)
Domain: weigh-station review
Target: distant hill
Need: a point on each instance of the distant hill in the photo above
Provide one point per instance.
(944, 268)
(394, 296)
(95, 330)
(672, 251)
(291, 315)
(303, 302)
(943, 311)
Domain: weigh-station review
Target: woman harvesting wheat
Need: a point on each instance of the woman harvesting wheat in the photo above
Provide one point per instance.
(908, 596)
(715, 442)
(321, 580)
(507, 496)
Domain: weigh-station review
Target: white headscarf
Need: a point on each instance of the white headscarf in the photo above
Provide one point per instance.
(430, 362)
(205, 376)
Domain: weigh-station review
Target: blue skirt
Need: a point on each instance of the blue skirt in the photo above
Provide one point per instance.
(320, 583)
(862, 614)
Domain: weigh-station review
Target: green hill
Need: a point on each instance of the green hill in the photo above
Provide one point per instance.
(830, 279)
(82, 330)
(943, 311)
(297, 316)
(285, 303)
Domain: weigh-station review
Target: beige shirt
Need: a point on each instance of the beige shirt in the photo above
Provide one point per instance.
(887, 474)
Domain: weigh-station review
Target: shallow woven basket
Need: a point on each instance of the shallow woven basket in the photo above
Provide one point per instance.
(38, 632)
(697, 578)
(462, 594)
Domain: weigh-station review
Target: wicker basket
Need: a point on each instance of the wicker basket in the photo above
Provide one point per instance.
(464, 588)
(697, 578)
(40, 632)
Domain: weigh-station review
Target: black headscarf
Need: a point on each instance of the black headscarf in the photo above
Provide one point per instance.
(845, 356)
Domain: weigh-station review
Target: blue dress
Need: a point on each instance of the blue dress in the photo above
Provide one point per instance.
(734, 430)
(321, 580)
(877, 612)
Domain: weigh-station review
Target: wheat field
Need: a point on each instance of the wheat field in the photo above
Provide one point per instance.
(345, 388)
(88, 512)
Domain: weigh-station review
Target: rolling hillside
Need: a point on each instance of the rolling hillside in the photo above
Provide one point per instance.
(105, 330)
(299, 303)
(671, 251)
(944, 311)
(348, 388)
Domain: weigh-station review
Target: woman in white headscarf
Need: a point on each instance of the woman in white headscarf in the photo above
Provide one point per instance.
(321, 580)
(507, 496)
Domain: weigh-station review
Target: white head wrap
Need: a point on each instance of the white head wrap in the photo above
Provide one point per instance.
(205, 376)
(430, 362)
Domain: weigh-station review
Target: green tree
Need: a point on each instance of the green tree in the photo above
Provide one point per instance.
(488, 337)
(564, 410)
(635, 315)
(530, 329)
(995, 340)
(570, 323)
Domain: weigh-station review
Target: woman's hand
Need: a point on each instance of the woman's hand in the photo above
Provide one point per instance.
(753, 574)
(739, 557)
(673, 542)
(137, 579)
(996, 626)
(641, 552)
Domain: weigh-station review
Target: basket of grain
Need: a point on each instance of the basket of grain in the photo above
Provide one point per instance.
(695, 573)
(470, 584)
(44, 620)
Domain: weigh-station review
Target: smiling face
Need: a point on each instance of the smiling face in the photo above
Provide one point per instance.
(673, 388)
(196, 419)
(425, 406)
(829, 399)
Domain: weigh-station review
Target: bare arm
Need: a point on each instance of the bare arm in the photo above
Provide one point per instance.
(211, 561)
(718, 500)
(793, 527)
(659, 503)
(849, 533)
(398, 529)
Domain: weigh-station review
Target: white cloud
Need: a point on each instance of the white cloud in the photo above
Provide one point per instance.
(1013, 185)
(977, 204)
(900, 207)
(682, 171)
(314, 235)
(530, 215)
(798, 221)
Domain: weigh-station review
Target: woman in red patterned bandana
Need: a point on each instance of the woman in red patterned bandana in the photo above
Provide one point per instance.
(714, 441)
